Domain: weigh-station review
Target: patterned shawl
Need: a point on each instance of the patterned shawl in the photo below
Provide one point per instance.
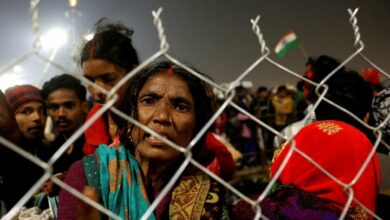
(117, 177)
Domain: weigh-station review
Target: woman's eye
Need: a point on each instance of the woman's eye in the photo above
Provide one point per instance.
(182, 107)
(108, 78)
(147, 101)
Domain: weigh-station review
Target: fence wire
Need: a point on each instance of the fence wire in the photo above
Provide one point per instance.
(228, 94)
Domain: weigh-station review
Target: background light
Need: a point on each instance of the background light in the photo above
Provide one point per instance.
(73, 3)
(88, 37)
(10, 79)
(54, 38)
(17, 69)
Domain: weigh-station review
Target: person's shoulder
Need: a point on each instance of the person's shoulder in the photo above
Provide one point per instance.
(76, 167)
(76, 176)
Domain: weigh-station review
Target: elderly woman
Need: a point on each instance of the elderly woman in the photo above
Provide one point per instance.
(105, 60)
(133, 170)
(303, 191)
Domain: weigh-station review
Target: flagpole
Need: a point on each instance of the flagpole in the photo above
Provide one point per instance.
(303, 50)
(305, 54)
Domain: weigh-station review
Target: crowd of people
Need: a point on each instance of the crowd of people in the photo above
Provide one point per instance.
(125, 167)
(277, 107)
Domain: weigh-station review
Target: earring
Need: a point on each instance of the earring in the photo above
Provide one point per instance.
(130, 138)
(129, 129)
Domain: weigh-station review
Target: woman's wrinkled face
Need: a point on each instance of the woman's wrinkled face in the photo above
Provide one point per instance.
(165, 105)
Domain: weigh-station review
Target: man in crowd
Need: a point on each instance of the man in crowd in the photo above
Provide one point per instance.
(24, 107)
(283, 105)
(67, 106)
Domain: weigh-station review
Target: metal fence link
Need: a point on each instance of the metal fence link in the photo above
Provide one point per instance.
(228, 93)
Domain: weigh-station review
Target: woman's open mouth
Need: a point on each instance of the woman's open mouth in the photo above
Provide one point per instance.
(153, 140)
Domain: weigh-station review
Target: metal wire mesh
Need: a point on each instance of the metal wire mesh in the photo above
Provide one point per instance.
(228, 94)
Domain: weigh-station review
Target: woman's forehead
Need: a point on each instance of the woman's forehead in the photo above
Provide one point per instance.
(167, 81)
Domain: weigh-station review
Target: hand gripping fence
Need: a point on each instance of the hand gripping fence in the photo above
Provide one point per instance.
(228, 93)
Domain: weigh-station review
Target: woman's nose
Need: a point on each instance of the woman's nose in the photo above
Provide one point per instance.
(162, 114)
(98, 95)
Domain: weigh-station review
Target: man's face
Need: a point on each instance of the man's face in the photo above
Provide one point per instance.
(103, 74)
(30, 118)
(66, 110)
(282, 93)
(263, 94)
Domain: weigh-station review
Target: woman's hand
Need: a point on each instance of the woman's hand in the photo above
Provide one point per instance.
(84, 210)
(50, 189)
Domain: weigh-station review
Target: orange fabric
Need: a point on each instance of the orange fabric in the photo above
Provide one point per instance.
(96, 134)
(341, 150)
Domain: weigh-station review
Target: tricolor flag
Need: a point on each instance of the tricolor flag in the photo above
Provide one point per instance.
(287, 42)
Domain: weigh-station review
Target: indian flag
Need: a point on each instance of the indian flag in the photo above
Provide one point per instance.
(287, 42)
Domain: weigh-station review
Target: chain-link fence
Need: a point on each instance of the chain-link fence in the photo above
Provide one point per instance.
(228, 94)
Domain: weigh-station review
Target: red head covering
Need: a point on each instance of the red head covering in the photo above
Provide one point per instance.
(18, 95)
(341, 150)
(372, 76)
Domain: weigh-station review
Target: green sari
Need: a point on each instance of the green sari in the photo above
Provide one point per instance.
(115, 174)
